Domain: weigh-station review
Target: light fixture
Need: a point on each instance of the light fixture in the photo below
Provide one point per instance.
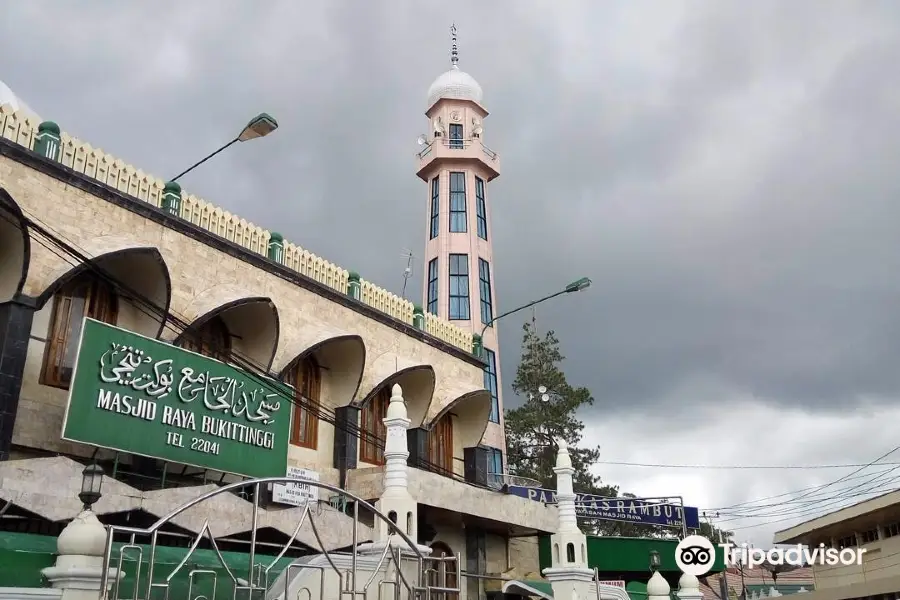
(421, 140)
(260, 126)
(654, 561)
(576, 286)
(91, 482)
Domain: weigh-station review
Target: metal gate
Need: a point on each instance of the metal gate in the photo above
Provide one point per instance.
(429, 580)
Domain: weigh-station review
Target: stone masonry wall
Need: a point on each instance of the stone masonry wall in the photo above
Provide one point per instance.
(195, 269)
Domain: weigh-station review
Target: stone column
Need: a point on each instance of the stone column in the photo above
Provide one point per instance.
(568, 574)
(15, 329)
(689, 588)
(79, 567)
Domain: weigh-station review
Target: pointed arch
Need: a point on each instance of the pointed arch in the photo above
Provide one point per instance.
(250, 324)
(341, 354)
(15, 247)
(417, 382)
(472, 411)
(138, 275)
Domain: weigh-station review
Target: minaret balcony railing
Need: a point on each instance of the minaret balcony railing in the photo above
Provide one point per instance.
(461, 148)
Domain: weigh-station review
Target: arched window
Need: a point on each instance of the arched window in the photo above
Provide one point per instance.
(450, 581)
(306, 377)
(84, 296)
(211, 339)
(371, 446)
(440, 444)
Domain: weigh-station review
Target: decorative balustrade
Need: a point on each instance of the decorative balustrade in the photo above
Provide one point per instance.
(47, 139)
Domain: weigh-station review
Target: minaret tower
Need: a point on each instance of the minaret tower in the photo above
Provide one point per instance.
(459, 277)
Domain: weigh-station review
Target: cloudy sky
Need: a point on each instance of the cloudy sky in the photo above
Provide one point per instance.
(725, 172)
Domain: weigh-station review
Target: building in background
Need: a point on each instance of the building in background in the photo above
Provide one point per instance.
(84, 234)
(872, 524)
(759, 583)
(459, 275)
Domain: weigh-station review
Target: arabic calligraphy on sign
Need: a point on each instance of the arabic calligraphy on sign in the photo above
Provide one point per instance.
(131, 367)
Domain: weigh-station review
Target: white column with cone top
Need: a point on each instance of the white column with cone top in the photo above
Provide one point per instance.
(689, 588)
(396, 502)
(569, 574)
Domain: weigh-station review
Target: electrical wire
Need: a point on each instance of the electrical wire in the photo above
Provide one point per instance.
(782, 495)
(55, 242)
(812, 500)
(817, 491)
(732, 467)
(817, 508)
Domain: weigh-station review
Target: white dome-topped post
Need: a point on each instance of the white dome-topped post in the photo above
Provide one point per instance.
(689, 587)
(569, 573)
(396, 502)
(658, 588)
(78, 571)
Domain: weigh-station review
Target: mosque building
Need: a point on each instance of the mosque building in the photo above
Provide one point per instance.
(90, 242)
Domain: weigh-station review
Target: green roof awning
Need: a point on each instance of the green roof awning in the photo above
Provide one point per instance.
(543, 589)
(23, 555)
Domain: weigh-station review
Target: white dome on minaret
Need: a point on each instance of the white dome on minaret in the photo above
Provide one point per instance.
(455, 84)
(9, 98)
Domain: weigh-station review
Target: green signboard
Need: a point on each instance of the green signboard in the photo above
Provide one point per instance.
(138, 395)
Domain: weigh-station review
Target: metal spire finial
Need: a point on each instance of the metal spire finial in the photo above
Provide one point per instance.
(454, 50)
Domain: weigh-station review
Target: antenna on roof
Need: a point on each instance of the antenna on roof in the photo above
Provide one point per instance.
(407, 272)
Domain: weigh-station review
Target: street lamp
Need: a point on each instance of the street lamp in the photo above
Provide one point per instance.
(259, 126)
(576, 286)
(654, 561)
(91, 482)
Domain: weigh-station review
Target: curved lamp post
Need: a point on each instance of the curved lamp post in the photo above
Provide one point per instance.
(259, 126)
(576, 286)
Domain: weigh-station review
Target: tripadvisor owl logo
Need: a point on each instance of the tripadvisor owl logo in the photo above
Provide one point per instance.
(695, 555)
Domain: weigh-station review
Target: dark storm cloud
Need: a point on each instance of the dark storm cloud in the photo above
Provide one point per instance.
(724, 172)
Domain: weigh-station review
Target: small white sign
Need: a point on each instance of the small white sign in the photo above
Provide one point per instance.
(614, 582)
(297, 494)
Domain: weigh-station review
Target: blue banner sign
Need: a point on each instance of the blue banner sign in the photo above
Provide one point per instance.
(629, 510)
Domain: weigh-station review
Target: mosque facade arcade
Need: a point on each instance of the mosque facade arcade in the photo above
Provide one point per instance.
(84, 234)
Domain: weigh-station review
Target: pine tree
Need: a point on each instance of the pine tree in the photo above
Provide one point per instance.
(532, 430)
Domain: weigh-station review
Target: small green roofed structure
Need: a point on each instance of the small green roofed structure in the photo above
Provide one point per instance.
(625, 559)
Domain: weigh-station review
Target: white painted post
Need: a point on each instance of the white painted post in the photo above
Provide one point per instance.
(689, 588)
(658, 588)
(396, 502)
(79, 567)
(568, 574)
